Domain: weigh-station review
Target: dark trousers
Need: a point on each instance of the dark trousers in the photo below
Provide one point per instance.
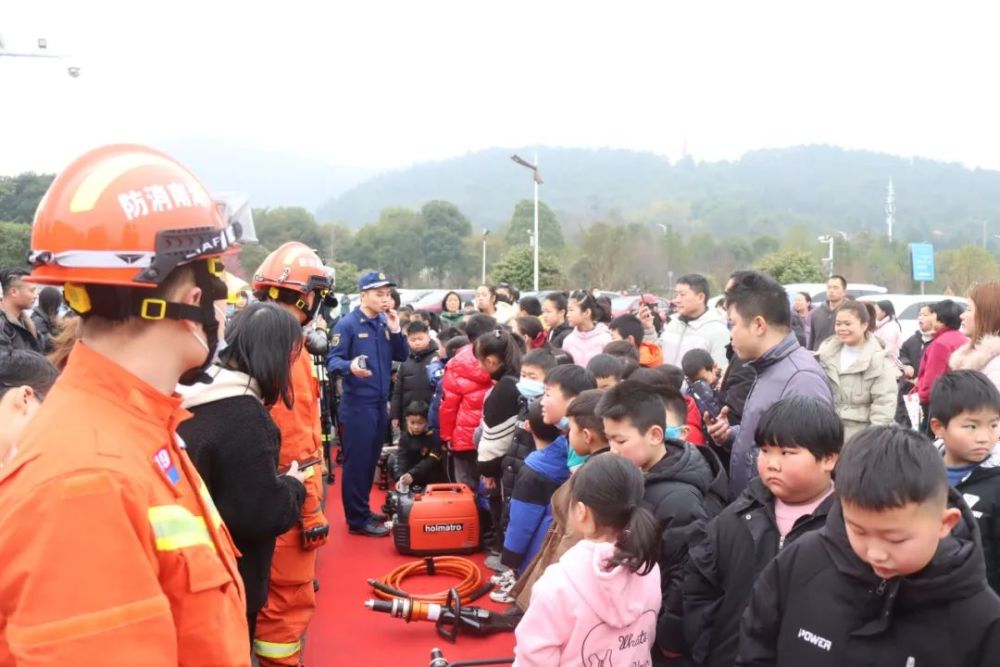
(364, 430)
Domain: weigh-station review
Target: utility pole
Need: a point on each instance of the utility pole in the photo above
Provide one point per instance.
(829, 241)
(486, 233)
(890, 209)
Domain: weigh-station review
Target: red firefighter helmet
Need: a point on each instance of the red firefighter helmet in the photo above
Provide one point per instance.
(297, 268)
(294, 266)
(128, 215)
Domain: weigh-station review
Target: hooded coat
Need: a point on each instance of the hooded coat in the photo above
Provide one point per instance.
(706, 332)
(543, 472)
(464, 386)
(723, 566)
(981, 491)
(412, 382)
(818, 604)
(984, 357)
(585, 345)
(234, 444)
(865, 393)
(582, 613)
(684, 489)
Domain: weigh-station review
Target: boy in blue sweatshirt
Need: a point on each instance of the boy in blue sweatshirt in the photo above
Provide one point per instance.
(546, 468)
(543, 471)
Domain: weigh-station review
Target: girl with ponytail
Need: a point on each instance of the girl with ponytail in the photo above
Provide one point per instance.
(590, 334)
(598, 605)
(531, 332)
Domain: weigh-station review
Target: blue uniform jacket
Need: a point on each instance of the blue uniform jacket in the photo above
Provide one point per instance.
(543, 472)
(355, 335)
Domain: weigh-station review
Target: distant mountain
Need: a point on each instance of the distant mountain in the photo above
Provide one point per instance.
(486, 184)
(765, 192)
(271, 178)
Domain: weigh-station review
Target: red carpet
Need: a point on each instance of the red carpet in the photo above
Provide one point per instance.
(345, 634)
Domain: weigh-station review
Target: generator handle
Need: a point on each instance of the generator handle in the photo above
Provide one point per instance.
(446, 488)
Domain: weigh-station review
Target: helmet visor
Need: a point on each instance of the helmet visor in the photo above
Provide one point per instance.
(234, 207)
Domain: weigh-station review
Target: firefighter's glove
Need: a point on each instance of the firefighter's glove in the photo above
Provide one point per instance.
(315, 531)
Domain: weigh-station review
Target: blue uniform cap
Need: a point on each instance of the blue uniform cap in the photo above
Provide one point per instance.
(374, 280)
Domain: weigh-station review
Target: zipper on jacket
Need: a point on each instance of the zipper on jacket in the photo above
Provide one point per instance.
(880, 591)
(781, 542)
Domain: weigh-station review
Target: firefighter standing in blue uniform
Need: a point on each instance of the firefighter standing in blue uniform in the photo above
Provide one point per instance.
(364, 344)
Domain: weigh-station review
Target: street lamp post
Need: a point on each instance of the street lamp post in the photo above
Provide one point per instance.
(537, 178)
(829, 240)
(486, 233)
(42, 52)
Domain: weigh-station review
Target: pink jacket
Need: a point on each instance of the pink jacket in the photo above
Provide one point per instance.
(934, 363)
(585, 345)
(581, 614)
(890, 333)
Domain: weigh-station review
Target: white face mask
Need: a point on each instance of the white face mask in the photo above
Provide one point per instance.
(198, 338)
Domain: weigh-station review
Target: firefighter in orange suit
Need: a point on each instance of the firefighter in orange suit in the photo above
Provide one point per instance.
(294, 277)
(112, 551)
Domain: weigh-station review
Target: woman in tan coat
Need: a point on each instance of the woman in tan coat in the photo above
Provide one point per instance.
(862, 379)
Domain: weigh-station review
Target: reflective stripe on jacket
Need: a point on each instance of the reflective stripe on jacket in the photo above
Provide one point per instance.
(112, 550)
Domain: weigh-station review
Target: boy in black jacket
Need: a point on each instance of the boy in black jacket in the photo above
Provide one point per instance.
(895, 577)
(799, 439)
(685, 487)
(418, 461)
(964, 416)
(412, 383)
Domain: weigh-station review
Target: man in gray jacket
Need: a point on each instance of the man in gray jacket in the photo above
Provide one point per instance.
(762, 336)
(821, 319)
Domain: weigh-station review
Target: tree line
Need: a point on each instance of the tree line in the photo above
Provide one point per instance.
(438, 246)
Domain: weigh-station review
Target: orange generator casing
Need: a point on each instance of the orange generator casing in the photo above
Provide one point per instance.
(441, 520)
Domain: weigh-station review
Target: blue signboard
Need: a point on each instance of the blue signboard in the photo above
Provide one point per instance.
(922, 261)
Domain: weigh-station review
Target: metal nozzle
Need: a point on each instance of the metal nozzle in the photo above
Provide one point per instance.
(379, 605)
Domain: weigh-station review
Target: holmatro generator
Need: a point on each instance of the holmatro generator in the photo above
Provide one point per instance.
(440, 520)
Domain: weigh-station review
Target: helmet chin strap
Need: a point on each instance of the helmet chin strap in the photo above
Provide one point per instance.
(296, 299)
(211, 287)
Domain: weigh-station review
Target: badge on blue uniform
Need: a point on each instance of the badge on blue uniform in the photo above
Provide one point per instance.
(335, 340)
(166, 466)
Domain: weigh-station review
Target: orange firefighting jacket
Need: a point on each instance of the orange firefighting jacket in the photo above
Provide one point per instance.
(301, 434)
(112, 551)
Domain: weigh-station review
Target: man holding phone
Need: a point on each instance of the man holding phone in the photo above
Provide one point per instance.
(364, 344)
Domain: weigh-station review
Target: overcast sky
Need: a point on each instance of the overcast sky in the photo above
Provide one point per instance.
(383, 84)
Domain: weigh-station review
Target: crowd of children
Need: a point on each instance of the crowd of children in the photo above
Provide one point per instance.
(634, 511)
(646, 558)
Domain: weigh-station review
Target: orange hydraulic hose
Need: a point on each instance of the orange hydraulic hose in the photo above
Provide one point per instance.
(469, 574)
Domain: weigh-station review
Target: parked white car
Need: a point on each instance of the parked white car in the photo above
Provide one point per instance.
(818, 290)
(908, 306)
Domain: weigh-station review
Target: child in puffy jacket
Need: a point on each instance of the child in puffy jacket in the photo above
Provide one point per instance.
(465, 384)
(598, 605)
